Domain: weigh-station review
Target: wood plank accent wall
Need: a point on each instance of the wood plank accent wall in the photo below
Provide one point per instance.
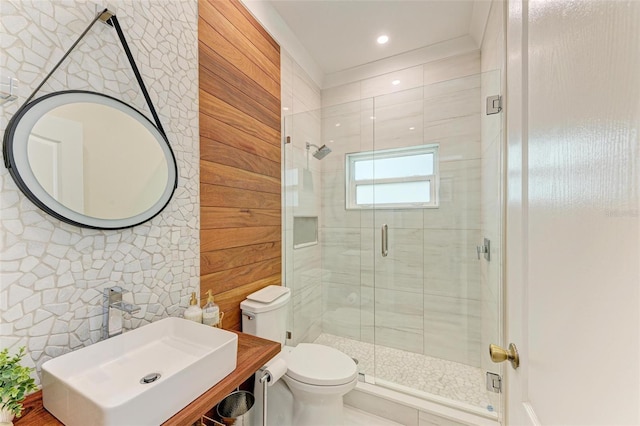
(240, 143)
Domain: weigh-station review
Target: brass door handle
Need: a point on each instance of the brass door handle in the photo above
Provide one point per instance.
(499, 354)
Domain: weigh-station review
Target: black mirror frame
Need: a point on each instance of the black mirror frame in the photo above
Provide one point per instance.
(55, 210)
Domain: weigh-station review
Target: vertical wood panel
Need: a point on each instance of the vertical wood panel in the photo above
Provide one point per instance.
(216, 63)
(256, 24)
(256, 34)
(211, 38)
(213, 83)
(240, 145)
(235, 34)
(218, 152)
(222, 132)
(212, 106)
(224, 196)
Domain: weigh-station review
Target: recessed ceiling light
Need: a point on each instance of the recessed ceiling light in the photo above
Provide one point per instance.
(395, 82)
(412, 128)
(383, 39)
(331, 141)
(337, 124)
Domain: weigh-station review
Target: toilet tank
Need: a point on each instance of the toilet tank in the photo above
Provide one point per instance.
(264, 313)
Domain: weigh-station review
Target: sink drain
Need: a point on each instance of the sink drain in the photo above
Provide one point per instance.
(150, 378)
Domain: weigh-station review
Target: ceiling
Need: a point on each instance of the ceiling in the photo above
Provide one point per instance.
(341, 34)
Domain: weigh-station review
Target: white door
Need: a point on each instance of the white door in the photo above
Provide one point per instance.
(56, 158)
(573, 212)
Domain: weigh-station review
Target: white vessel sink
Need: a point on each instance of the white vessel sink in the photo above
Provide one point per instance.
(101, 384)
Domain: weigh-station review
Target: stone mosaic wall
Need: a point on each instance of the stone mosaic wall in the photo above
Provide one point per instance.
(52, 274)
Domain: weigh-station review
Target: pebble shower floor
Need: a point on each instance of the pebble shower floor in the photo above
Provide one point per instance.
(447, 379)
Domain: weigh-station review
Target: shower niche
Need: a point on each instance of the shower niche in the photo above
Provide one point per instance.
(305, 231)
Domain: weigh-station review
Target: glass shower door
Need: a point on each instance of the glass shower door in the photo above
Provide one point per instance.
(435, 188)
(404, 185)
(332, 301)
(302, 249)
(345, 238)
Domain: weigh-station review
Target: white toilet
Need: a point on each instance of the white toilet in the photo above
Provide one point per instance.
(317, 377)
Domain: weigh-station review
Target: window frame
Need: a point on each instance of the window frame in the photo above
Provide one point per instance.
(351, 184)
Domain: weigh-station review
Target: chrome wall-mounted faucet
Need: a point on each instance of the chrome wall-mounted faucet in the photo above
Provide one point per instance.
(113, 300)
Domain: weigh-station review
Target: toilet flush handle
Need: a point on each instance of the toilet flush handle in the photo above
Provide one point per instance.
(250, 317)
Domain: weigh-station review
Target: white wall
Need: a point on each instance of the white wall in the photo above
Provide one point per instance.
(52, 274)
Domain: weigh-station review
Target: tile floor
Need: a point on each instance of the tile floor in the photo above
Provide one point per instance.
(447, 379)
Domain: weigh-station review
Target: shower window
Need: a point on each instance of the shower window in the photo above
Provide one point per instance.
(393, 178)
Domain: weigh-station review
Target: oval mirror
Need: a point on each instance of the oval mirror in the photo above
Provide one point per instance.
(90, 160)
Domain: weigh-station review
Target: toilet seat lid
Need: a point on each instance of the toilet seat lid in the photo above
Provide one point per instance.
(320, 365)
(269, 293)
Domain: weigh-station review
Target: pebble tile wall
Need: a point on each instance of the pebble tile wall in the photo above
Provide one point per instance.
(52, 274)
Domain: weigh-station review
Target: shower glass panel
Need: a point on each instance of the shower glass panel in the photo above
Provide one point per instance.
(302, 213)
(347, 321)
(426, 165)
(436, 304)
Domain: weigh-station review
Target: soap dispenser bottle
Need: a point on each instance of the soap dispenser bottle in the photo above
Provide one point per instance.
(210, 311)
(193, 312)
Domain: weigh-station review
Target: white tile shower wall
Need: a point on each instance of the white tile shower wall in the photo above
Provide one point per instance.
(427, 291)
(53, 274)
(302, 194)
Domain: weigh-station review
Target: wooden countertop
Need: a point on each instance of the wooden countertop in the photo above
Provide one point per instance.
(253, 353)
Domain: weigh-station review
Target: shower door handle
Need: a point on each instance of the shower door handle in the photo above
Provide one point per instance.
(385, 240)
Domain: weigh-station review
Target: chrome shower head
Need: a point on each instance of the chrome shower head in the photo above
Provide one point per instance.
(322, 151)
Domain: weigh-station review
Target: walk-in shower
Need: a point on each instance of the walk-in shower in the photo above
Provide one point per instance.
(422, 164)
